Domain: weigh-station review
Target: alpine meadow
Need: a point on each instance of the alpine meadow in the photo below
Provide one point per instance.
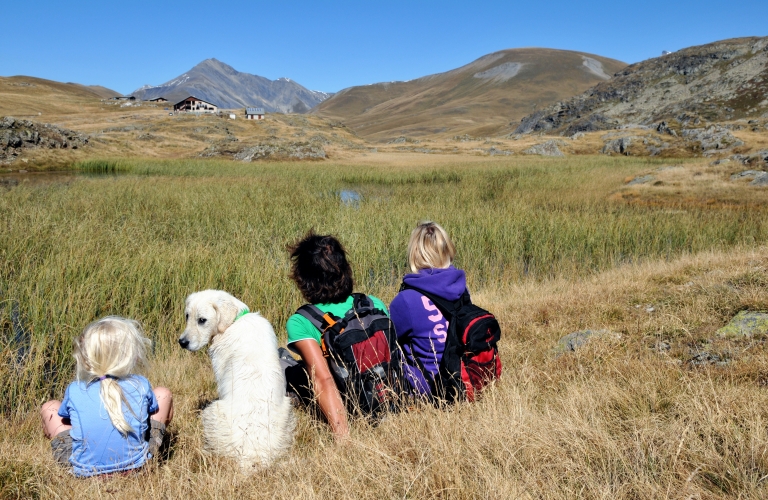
(606, 191)
(651, 403)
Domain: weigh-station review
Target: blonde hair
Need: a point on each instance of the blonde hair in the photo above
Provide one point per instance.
(108, 350)
(430, 247)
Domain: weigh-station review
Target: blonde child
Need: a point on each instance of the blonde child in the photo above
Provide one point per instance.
(103, 425)
(421, 328)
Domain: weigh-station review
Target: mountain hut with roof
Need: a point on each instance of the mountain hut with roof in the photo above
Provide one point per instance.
(194, 104)
(254, 113)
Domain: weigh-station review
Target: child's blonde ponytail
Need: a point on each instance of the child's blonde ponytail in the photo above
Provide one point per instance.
(108, 350)
(112, 397)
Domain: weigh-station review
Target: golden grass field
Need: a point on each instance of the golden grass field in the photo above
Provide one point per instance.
(551, 246)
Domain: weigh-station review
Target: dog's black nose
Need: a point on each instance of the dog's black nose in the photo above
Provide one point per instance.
(183, 342)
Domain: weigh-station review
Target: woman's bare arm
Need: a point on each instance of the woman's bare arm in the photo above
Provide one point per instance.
(327, 393)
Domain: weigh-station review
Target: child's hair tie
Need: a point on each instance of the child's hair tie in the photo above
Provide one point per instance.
(104, 377)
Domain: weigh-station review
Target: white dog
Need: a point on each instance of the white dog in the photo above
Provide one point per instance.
(253, 420)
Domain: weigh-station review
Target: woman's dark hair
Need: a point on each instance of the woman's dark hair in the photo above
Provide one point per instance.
(320, 269)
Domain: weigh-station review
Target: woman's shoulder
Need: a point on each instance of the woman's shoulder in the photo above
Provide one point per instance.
(405, 297)
(300, 328)
(295, 320)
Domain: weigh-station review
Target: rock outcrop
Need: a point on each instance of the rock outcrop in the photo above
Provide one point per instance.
(272, 148)
(17, 135)
(549, 148)
(745, 324)
(710, 83)
(618, 146)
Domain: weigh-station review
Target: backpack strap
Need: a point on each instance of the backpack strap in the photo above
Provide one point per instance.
(361, 303)
(320, 320)
(432, 383)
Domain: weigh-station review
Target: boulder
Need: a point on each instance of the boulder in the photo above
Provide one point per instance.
(704, 358)
(663, 128)
(743, 159)
(759, 177)
(711, 139)
(574, 340)
(619, 146)
(745, 324)
(496, 152)
(548, 148)
(643, 179)
(760, 180)
(748, 174)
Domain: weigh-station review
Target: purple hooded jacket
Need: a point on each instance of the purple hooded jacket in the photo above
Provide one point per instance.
(421, 327)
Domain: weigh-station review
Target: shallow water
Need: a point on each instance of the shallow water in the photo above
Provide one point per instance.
(350, 198)
(13, 179)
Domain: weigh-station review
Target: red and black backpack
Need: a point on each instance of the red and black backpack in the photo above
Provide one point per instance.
(471, 357)
(363, 355)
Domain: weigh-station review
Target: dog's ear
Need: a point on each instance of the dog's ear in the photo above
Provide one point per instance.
(227, 311)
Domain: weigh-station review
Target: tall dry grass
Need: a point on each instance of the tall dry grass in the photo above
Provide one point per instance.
(543, 248)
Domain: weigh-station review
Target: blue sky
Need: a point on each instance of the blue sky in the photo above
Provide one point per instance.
(332, 45)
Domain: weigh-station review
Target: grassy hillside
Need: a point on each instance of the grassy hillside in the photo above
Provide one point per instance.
(478, 99)
(102, 91)
(29, 97)
(551, 246)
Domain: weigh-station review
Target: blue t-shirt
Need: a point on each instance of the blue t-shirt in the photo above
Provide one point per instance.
(97, 446)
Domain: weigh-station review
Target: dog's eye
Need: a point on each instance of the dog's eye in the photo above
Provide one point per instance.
(201, 321)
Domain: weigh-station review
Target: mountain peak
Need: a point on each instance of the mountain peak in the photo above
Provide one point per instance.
(213, 63)
(224, 86)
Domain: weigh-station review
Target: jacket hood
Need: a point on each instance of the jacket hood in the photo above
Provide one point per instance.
(448, 283)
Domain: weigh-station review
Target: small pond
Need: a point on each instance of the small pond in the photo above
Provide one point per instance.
(350, 198)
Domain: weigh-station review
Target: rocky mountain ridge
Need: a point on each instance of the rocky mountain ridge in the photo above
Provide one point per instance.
(224, 86)
(711, 83)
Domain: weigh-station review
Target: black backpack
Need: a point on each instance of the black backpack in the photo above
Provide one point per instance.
(471, 357)
(363, 355)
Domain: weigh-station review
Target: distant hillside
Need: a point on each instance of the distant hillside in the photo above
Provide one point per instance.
(480, 98)
(222, 85)
(102, 92)
(719, 81)
(28, 96)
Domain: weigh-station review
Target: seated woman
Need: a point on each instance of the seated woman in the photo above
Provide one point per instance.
(320, 269)
(421, 327)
